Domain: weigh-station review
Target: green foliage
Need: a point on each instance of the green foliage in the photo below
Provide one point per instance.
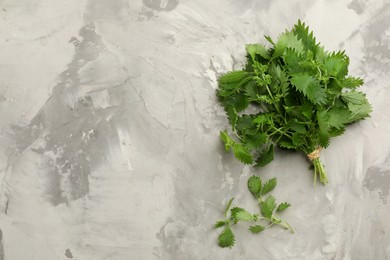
(269, 186)
(228, 141)
(256, 229)
(265, 157)
(220, 223)
(242, 154)
(303, 96)
(267, 209)
(226, 238)
(254, 186)
(244, 216)
(283, 206)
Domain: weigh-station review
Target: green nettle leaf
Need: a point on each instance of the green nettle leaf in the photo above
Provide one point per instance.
(359, 112)
(226, 238)
(323, 133)
(310, 87)
(244, 216)
(255, 139)
(257, 49)
(351, 82)
(233, 76)
(283, 206)
(234, 212)
(288, 40)
(232, 115)
(307, 110)
(268, 207)
(269, 186)
(308, 40)
(220, 223)
(337, 64)
(254, 185)
(256, 229)
(265, 157)
(239, 102)
(287, 144)
(227, 140)
(338, 117)
(297, 126)
(298, 139)
(354, 97)
(242, 154)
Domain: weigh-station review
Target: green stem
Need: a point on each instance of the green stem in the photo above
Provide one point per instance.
(274, 103)
(281, 223)
(282, 132)
(319, 170)
(236, 134)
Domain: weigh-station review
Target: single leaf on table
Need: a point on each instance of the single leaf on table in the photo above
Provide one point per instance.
(256, 229)
(254, 185)
(233, 213)
(283, 206)
(220, 223)
(226, 238)
(268, 207)
(244, 216)
(269, 186)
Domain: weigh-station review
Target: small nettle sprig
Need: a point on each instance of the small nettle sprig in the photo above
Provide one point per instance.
(266, 218)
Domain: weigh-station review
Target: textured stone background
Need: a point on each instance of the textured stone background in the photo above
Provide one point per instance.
(109, 131)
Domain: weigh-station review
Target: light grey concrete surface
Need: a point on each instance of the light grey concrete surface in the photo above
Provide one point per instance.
(109, 128)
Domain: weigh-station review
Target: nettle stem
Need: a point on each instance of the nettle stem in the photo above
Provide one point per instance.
(319, 170)
(281, 223)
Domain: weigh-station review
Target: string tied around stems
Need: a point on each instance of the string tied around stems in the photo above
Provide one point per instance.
(314, 154)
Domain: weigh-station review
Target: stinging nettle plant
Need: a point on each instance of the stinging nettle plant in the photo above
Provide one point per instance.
(303, 96)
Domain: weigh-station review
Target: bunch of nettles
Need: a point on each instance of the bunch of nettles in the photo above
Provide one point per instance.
(268, 210)
(298, 95)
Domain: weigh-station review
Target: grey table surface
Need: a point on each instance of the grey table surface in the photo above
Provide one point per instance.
(109, 140)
